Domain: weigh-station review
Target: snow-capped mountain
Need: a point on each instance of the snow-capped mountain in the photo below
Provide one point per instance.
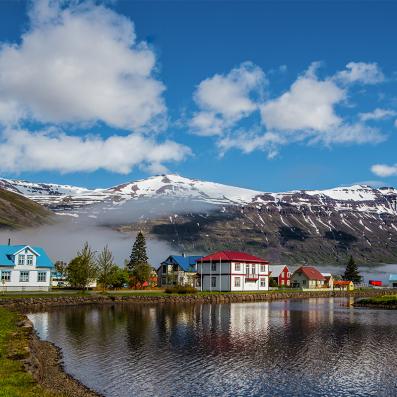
(61, 198)
(301, 225)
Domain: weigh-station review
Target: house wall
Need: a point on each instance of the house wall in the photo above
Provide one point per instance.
(32, 285)
(226, 273)
(284, 279)
(304, 282)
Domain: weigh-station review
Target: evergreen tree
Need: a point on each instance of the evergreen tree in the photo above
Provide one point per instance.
(138, 254)
(138, 265)
(351, 272)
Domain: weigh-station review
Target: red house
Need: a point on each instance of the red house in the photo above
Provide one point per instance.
(281, 275)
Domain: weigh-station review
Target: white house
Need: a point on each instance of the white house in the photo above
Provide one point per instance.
(233, 271)
(24, 268)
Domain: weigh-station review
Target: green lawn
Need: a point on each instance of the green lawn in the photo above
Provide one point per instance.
(14, 381)
(380, 300)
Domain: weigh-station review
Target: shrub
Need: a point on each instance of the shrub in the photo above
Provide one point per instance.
(181, 289)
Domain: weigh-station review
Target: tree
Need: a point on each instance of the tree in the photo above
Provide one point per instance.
(106, 268)
(120, 278)
(60, 267)
(351, 272)
(81, 270)
(138, 265)
(138, 254)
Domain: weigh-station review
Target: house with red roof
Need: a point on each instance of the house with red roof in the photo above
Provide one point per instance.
(280, 275)
(232, 271)
(307, 277)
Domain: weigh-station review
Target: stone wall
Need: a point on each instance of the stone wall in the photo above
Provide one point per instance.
(43, 302)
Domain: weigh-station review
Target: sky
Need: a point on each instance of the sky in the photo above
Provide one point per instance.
(266, 95)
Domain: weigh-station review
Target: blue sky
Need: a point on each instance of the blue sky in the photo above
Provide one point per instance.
(266, 95)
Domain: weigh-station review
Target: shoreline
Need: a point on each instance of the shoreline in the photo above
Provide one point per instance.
(45, 363)
(38, 303)
(44, 360)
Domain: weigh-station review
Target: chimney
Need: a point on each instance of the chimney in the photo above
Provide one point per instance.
(9, 241)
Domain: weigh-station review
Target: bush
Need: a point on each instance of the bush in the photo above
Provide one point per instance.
(181, 289)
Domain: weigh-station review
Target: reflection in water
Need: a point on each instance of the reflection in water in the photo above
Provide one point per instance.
(312, 347)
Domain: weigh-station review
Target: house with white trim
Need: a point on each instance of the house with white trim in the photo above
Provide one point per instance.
(24, 268)
(232, 271)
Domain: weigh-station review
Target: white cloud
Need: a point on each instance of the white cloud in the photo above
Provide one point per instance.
(52, 150)
(378, 114)
(384, 170)
(308, 104)
(360, 72)
(79, 64)
(223, 100)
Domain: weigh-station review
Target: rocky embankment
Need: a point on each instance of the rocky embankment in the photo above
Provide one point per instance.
(44, 361)
(32, 304)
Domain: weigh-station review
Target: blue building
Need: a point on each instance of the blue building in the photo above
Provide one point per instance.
(24, 268)
(178, 270)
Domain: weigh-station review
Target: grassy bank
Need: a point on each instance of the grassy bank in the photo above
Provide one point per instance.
(386, 300)
(14, 380)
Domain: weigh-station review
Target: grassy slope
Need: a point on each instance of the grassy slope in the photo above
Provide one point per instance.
(17, 211)
(14, 381)
(381, 300)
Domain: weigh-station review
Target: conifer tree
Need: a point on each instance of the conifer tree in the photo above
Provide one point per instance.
(351, 272)
(138, 265)
(138, 254)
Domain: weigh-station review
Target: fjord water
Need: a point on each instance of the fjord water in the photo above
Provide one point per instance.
(313, 347)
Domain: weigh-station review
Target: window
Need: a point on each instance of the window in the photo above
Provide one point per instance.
(42, 277)
(304, 282)
(247, 270)
(21, 259)
(237, 267)
(282, 282)
(29, 259)
(253, 267)
(5, 276)
(23, 277)
(213, 281)
(164, 268)
(263, 282)
(213, 267)
(237, 282)
(263, 269)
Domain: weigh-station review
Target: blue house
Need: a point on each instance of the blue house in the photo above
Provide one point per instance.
(393, 280)
(178, 270)
(24, 268)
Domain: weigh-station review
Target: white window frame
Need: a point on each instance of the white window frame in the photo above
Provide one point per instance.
(41, 274)
(237, 267)
(263, 282)
(263, 268)
(21, 259)
(237, 282)
(6, 273)
(24, 279)
(213, 266)
(213, 281)
(29, 260)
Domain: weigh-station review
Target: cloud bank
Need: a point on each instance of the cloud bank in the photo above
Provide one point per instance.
(80, 64)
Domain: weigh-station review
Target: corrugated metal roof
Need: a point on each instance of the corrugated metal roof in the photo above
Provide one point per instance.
(7, 251)
(276, 270)
(187, 263)
(235, 256)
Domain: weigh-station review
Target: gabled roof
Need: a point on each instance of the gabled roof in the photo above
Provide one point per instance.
(8, 251)
(393, 277)
(311, 273)
(342, 282)
(276, 270)
(187, 263)
(232, 256)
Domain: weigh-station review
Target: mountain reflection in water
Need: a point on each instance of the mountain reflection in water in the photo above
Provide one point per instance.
(312, 347)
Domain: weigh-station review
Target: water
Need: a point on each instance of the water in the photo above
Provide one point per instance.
(313, 347)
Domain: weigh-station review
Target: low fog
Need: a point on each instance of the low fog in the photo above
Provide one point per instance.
(94, 224)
